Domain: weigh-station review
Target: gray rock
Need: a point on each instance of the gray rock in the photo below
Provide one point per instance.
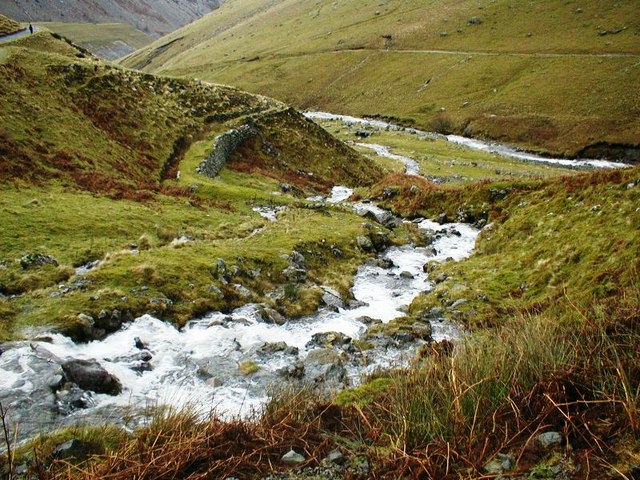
(430, 266)
(297, 259)
(294, 274)
(385, 263)
(334, 339)
(275, 347)
(110, 322)
(31, 260)
(407, 275)
(369, 321)
(89, 375)
(242, 290)
(85, 324)
(335, 456)
(331, 298)
(474, 21)
(434, 313)
(402, 338)
(220, 270)
(72, 398)
(295, 371)
(269, 315)
(364, 243)
(442, 218)
(293, 458)
(549, 439)
(214, 382)
(76, 450)
(422, 330)
(324, 365)
(457, 303)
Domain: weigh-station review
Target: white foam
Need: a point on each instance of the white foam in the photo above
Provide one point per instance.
(411, 166)
(472, 143)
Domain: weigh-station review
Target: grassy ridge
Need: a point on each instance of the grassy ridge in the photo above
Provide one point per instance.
(90, 156)
(7, 25)
(491, 77)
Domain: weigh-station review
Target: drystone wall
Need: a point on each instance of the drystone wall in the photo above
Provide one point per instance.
(223, 148)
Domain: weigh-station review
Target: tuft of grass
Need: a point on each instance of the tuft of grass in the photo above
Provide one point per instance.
(248, 367)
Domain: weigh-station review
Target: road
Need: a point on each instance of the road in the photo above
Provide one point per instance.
(11, 37)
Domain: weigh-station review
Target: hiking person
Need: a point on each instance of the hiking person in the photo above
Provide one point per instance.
(30, 29)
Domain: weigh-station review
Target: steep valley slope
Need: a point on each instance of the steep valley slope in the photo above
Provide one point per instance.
(156, 18)
(556, 76)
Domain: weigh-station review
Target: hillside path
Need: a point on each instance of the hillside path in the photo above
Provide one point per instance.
(479, 53)
(514, 54)
(11, 37)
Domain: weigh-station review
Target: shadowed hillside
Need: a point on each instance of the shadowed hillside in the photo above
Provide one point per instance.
(157, 17)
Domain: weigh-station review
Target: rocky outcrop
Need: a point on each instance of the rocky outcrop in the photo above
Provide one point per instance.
(225, 145)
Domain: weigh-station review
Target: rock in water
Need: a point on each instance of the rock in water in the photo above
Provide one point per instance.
(89, 375)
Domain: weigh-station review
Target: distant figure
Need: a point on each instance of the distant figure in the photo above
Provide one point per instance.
(31, 29)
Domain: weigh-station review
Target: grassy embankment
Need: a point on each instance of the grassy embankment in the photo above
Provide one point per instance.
(8, 25)
(439, 159)
(90, 154)
(558, 352)
(554, 76)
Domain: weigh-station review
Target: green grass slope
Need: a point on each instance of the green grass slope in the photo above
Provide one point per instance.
(7, 25)
(89, 162)
(107, 40)
(557, 76)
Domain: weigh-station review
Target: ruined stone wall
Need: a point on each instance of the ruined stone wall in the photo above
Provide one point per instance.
(224, 146)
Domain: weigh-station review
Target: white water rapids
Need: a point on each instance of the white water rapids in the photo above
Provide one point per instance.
(472, 143)
(199, 364)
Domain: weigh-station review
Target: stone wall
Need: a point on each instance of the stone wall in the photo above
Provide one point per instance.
(223, 148)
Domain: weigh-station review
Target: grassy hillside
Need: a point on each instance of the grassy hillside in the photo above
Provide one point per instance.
(557, 76)
(90, 159)
(560, 356)
(7, 25)
(106, 40)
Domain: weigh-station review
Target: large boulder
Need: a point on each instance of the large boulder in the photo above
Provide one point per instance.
(89, 375)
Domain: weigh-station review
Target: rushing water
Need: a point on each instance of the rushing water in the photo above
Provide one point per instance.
(474, 144)
(199, 364)
(410, 165)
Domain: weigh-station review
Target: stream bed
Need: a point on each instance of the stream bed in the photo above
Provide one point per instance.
(229, 363)
(499, 149)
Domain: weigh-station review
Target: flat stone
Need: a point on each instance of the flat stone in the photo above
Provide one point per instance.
(549, 439)
(293, 458)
